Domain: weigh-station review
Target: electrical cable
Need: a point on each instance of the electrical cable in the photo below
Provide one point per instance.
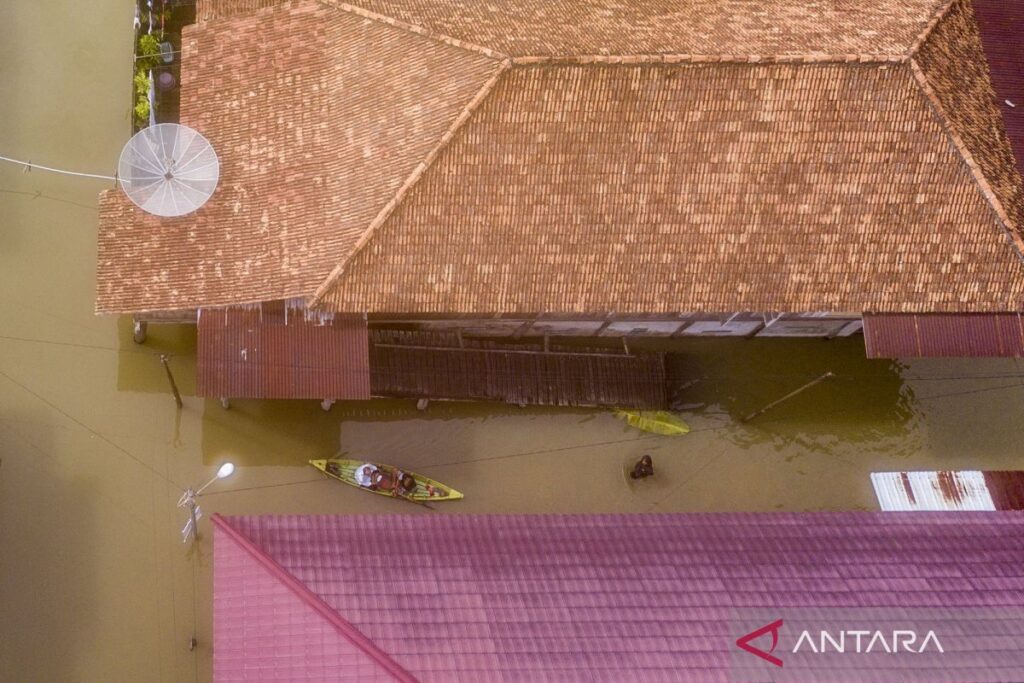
(89, 429)
(29, 166)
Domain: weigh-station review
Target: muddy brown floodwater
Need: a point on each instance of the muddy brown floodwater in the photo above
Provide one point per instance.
(95, 584)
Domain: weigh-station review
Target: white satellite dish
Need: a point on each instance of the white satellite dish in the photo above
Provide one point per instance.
(168, 169)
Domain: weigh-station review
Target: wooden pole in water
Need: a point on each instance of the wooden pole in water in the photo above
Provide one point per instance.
(170, 378)
(788, 396)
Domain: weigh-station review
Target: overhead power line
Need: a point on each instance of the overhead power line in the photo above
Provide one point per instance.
(28, 166)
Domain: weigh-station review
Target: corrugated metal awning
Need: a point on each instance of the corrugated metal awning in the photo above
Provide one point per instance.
(415, 365)
(279, 350)
(925, 335)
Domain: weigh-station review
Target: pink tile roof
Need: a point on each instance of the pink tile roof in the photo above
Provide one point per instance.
(574, 597)
(299, 643)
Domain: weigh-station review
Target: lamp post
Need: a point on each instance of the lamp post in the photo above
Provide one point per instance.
(188, 500)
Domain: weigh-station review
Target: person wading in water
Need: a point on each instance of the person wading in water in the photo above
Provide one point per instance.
(644, 467)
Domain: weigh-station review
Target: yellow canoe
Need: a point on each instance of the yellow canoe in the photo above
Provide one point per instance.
(427, 490)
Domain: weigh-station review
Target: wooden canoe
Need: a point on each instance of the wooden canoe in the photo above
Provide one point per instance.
(427, 490)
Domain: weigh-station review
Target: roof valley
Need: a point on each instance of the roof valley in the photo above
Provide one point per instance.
(939, 15)
(410, 182)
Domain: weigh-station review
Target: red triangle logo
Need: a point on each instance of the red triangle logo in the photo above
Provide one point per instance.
(744, 642)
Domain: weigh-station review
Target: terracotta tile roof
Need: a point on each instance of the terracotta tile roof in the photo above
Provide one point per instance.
(1002, 24)
(294, 100)
(660, 188)
(953, 63)
(208, 10)
(523, 28)
(600, 597)
(733, 156)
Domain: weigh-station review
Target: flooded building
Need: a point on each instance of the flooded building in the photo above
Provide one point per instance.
(612, 597)
(434, 168)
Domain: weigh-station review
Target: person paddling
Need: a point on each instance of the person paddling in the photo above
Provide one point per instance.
(406, 485)
(381, 481)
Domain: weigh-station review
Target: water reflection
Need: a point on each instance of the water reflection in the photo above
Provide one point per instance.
(138, 366)
(719, 382)
(394, 431)
(864, 402)
(66, 528)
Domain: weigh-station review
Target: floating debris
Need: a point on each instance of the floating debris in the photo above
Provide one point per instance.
(654, 421)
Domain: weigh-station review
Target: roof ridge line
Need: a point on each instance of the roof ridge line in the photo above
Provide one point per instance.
(681, 58)
(965, 153)
(413, 178)
(414, 28)
(937, 16)
(346, 628)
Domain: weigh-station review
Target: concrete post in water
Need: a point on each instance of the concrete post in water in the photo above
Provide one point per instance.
(170, 378)
(788, 396)
(139, 331)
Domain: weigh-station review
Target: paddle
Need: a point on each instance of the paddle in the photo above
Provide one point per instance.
(407, 496)
(413, 500)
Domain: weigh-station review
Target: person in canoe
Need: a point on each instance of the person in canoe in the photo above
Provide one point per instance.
(385, 480)
(406, 485)
(381, 481)
(399, 483)
(364, 474)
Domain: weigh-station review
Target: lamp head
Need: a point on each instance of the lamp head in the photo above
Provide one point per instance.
(226, 470)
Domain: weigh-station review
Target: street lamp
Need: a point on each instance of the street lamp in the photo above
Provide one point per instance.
(188, 500)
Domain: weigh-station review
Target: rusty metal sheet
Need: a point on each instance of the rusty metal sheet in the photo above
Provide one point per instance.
(427, 365)
(1007, 489)
(966, 490)
(927, 335)
(907, 491)
(279, 350)
(1001, 24)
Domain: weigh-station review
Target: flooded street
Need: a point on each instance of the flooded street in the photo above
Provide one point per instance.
(95, 583)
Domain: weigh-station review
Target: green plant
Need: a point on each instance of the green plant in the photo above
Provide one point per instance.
(142, 113)
(141, 82)
(147, 55)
